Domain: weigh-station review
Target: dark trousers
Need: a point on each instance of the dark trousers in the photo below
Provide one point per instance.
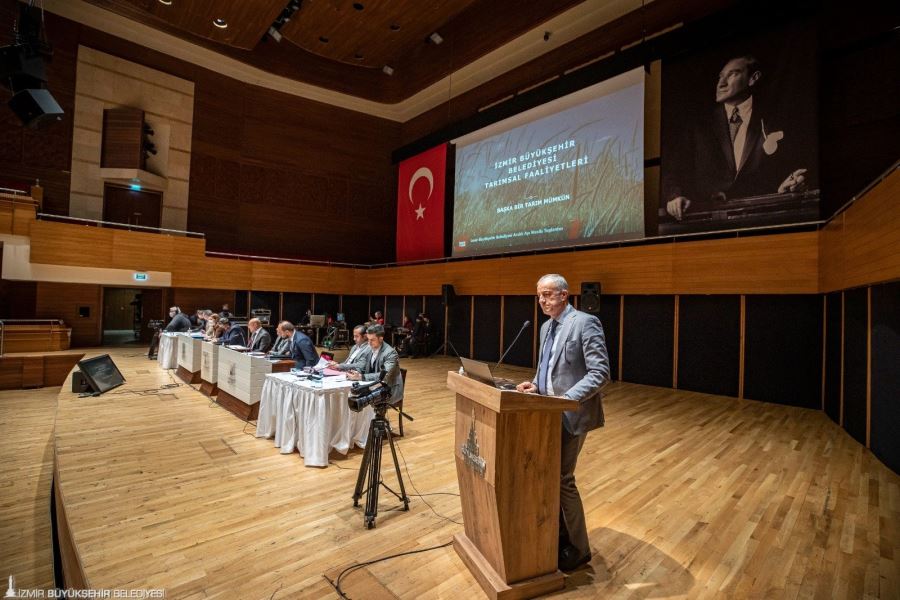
(154, 345)
(572, 526)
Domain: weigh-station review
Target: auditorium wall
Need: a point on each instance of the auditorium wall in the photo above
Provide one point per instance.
(270, 174)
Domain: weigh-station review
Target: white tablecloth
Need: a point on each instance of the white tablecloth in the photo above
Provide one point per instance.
(309, 418)
(167, 354)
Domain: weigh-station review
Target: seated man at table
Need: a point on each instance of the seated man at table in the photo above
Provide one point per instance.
(382, 357)
(301, 347)
(282, 346)
(233, 334)
(179, 321)
(361, 347)
(260, 340)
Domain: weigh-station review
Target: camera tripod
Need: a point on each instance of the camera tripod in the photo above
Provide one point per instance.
(370, 468)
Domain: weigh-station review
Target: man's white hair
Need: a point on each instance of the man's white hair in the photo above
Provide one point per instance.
(556, 280)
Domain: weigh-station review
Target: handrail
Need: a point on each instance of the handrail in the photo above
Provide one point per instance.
(99, 223)
(884, 175)
(14, 191)
(4, 322)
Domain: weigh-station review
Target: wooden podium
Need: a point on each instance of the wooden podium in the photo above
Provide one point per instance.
(507, 448)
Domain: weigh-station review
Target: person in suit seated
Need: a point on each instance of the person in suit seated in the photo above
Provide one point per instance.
(233, 334)
(361, 347)
(574, 365)
(381, 357)
(301, 347)
(282, 345)
(260, 340)
(179, 322)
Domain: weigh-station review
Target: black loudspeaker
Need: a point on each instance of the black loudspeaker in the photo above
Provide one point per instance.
(35, 107)
(21, 68)
(590, 297)
(448, 294)
(80, 384)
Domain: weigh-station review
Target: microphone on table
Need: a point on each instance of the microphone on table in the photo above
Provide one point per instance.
(515, 339)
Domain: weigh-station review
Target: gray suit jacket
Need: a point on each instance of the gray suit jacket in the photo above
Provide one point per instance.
(579, 369)
(349, 364)
(387, 360)
(262, 342)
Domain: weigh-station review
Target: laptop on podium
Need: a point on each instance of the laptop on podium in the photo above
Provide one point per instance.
(480, 371)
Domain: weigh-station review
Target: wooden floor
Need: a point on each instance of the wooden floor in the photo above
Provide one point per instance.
(26, 473)
(687, 496)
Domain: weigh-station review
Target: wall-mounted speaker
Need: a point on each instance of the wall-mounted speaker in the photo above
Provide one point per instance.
(35, 107)
(448, 294)
(590, 297)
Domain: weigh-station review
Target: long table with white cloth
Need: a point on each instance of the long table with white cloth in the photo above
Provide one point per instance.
(167, 353)
(312, 417)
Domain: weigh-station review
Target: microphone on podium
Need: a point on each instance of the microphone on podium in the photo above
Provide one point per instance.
(515, 339)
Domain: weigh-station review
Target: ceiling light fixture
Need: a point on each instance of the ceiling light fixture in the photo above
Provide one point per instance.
(166, 2)
(436, 38)
(276, 35)
(387, 70)
(220, 23)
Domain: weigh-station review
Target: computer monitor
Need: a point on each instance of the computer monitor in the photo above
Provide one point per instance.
(101, 373)
(340, 317)
(317, 320)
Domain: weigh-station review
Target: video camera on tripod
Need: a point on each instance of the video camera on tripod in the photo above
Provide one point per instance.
(377, 394)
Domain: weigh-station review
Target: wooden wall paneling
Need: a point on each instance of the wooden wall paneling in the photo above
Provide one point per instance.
(780, 264)
(192, 299)
(859, 246)
(123, 134)
(76, 245)
(145, 251)
(62, 300)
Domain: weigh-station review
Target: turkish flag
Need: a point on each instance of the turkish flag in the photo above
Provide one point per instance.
(420, 205)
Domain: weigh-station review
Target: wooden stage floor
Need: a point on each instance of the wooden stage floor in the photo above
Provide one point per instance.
(687, 496)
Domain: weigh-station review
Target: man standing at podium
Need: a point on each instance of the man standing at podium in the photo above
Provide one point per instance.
(574, 364)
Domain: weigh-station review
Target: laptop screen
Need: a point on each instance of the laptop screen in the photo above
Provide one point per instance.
(478, 371)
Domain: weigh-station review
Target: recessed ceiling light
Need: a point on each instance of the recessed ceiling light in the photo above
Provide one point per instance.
(395, 27)
(166, 2)
(358, 6)
(436, 38)
(387, 70)
(220, 23)
(323, 39)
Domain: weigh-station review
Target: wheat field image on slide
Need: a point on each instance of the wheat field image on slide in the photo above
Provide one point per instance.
(606, 193)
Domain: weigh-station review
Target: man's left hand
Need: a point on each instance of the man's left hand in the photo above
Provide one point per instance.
(795, 182)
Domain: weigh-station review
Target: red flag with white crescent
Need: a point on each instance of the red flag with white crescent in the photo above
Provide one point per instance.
(420, 205)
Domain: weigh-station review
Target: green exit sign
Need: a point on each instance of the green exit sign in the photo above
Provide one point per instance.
(141, 277)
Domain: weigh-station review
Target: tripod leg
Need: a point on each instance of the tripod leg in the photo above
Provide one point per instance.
(367, 454)
(403, 495)
(374, 478)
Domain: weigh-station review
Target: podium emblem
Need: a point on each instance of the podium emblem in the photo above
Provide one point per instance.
(232, 374)
(470, 450)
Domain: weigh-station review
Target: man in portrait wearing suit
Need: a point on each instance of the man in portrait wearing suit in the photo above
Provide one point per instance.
(382, 357)
(573, 364)
(738, 152)
(301, 348)
(260, 340)
(361, 348)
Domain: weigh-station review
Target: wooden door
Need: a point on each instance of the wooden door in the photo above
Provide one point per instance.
(131, 207)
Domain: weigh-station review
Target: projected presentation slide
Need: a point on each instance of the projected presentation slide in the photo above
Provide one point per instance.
(568, 172)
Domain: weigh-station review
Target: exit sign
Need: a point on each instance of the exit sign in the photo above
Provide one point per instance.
(141, 277)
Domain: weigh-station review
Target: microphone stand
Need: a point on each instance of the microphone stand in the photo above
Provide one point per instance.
(513, 343)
